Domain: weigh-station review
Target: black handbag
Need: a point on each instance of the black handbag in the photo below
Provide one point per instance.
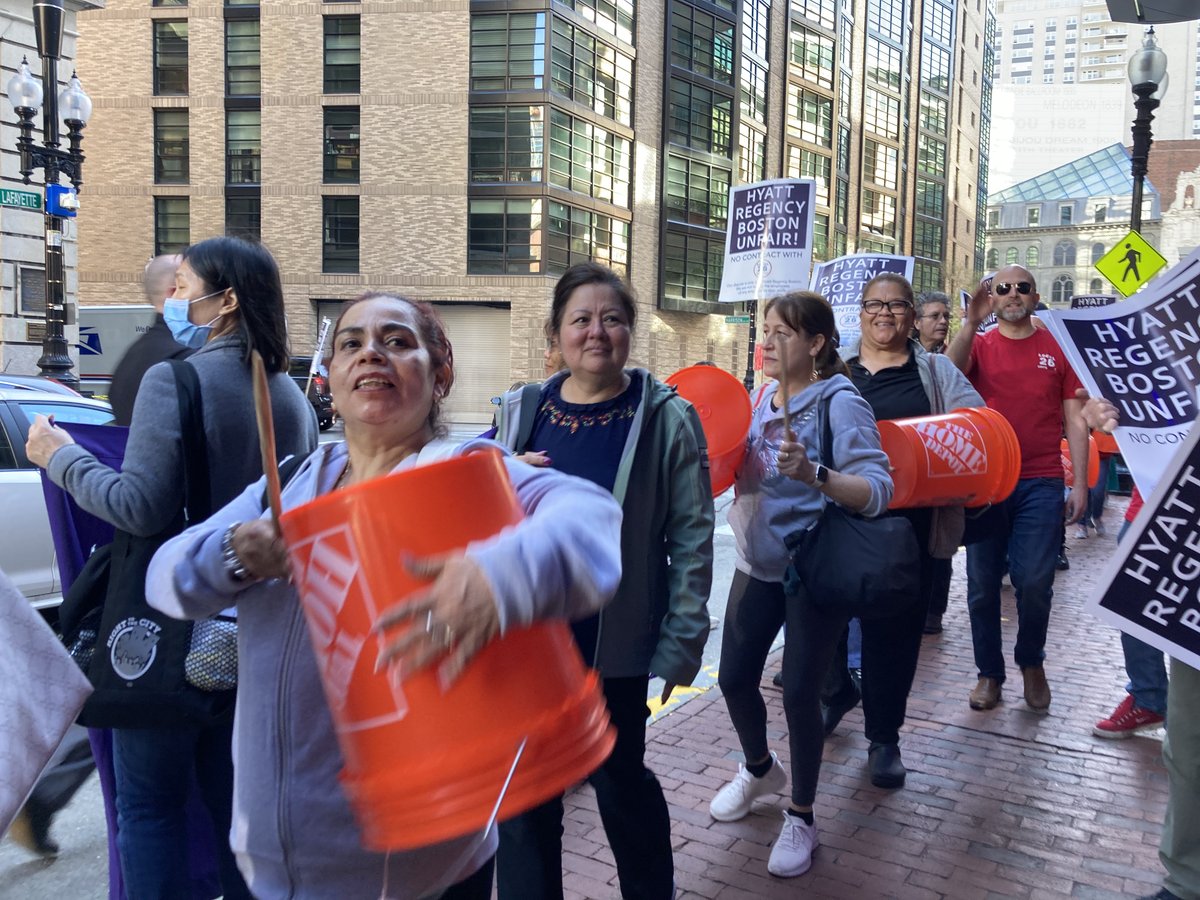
(139, 664)
(865, 568)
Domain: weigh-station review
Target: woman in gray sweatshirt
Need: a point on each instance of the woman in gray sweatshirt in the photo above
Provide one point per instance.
(781, 488)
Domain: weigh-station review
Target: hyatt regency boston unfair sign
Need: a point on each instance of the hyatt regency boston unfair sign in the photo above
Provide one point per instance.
(768, 244)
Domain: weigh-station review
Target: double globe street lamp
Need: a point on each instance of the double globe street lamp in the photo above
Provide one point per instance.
(75, 108)
(1148, 75)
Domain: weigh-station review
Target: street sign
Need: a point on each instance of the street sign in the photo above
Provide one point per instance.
(1131, 263)
(737, 320)
(20, 199)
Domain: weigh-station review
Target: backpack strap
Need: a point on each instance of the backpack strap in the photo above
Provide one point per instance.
(197, 487)
(531, 398)
(827, 433)
(287, 469)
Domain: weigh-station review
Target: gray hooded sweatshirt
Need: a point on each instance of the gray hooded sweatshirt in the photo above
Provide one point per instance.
(769, 506)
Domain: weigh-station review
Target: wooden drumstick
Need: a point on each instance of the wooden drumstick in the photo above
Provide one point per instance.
(266, 434)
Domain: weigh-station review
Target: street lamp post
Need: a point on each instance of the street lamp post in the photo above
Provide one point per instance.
(25, 93)
(1148, 75)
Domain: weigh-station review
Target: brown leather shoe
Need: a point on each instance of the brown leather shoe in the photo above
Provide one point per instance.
(986, 694)
(1037, 692)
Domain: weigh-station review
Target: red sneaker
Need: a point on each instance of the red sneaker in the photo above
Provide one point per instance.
(1127, 720)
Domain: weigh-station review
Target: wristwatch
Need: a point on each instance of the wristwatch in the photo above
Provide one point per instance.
(820, 476)
(233, 565)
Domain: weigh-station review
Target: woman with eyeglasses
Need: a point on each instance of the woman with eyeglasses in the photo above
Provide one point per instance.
(898, 379)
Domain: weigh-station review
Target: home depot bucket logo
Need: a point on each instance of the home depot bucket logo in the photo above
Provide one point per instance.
(952, 449)
(340, 610)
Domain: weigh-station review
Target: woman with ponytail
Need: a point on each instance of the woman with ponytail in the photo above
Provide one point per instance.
(782, 488)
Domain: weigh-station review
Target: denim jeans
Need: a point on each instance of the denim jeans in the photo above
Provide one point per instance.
(1098, 494)
(1145, 667)
(153, 769)
(1028, 533)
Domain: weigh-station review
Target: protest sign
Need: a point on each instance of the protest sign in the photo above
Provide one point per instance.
(768, 242)
(988, 323)
(1091, 301)
(1152, 584)
(841, 282)
(1144, 355)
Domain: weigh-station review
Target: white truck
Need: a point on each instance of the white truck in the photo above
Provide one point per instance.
(105, 333)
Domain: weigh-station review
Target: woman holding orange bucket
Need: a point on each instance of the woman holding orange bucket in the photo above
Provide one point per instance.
(634, 436)
(900, 380)
(782, 489)
(294, 831)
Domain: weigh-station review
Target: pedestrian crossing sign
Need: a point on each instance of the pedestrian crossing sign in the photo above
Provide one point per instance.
(1131, 263)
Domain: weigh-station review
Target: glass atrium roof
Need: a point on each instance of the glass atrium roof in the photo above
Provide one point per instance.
(1100, 174)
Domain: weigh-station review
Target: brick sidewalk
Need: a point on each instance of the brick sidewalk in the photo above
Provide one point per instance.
(998, 804)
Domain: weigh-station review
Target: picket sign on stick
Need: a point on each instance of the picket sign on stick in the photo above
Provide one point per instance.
(316, 357)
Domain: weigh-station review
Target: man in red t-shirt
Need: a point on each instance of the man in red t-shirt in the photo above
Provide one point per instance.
(1022, 372)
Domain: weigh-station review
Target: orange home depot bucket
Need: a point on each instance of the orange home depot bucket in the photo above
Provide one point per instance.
(968, 457)
(1093, 462)
(423, 765)
(723, 405)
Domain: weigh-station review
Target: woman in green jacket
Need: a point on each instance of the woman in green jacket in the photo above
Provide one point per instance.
(628, 432)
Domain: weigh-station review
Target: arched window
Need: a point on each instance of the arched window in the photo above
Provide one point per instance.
(1032, 255)
(1096, 286)
(1010, 258)
(1189, 197)
(993, 258)
(1064, 253)
(1097, 253)
(1064, 289)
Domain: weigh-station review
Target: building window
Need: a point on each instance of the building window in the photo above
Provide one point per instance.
(934, 113)
(879, 213)
(697, 194)
(242, 72)
(881, 164)
(1096, 286)
(700, 118)
(931, 155)
(993, 218)
(243, 217)
(1097, 252)
(343, 52)
(935, 68)
(883, 64)
(822, 12)
(752, 154)
(805, 163)
(926, 276)
(810, 116)
(576, 235)
(756, 17)
(341, 144)
(701, 43)
(1011, 256)
(508, 52)
(1065, 215)
(993, 258)
(931, 198)
(172, 224)
(504, 237)
(589, 159)
(886, 18)
(506, 144)
(170, 58)
(812, 56)
(1032, 215)
(1064, 253)
(612, 16)
(1063, 290)
(692, 266)
(1033, 255)
(591, 72)
(339, 230)
(754, 89)
(243, 146)
(939, 23)
(882, 114)
(171, 146)
(1099, 214)
(169, 3)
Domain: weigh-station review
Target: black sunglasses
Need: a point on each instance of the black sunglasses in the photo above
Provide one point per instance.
(1023, 287)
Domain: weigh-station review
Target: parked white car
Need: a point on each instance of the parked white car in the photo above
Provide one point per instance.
(26, 547)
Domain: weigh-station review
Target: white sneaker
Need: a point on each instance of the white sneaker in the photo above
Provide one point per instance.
(1080, 531)
(735, 799)
(792, 853)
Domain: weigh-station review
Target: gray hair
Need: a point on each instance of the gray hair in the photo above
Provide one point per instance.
(931, 297)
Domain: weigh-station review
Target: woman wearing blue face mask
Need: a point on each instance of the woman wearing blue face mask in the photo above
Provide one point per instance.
(228, 301)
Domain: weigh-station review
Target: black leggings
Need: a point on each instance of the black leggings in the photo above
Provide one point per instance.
(753, 615)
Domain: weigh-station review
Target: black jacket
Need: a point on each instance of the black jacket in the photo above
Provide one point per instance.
(151, 348)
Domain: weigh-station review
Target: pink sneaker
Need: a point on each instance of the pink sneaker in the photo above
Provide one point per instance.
(1127, 720)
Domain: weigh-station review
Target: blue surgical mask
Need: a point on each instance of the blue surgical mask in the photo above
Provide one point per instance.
(175, 314)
